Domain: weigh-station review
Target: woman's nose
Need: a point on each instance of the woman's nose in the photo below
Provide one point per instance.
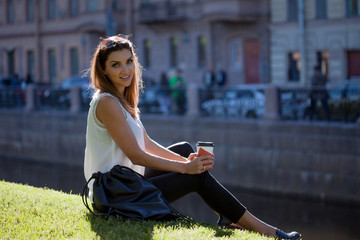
(124, 69)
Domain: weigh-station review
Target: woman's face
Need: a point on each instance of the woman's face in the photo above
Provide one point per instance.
(120, 69)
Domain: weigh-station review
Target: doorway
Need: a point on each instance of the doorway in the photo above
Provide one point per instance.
(252, 52)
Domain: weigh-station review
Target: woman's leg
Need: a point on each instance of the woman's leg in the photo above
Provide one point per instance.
(175, 186)
(250, 222)
(173, 193)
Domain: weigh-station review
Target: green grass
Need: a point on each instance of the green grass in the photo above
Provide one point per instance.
(36, 213)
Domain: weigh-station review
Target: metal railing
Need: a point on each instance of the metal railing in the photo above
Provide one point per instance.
(163, 101)
(51, 99)
(320, 105)
(294, 103)
(232, 103)
(12, 97)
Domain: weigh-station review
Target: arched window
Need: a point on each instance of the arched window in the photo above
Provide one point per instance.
(30, 11)
(294, 66)
(236, 54)
(292, 10)
(10, 11)
(321, 9)
(92, 5)
(51, 9)
(147, 52)
(202, 45)
(173, 52)
(353, 8)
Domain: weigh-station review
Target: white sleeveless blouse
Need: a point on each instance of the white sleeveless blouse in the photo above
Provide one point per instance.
(101, 152)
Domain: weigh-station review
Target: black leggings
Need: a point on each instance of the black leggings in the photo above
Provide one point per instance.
(176, 185)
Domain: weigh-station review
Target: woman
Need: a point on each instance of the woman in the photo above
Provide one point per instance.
(115, 135)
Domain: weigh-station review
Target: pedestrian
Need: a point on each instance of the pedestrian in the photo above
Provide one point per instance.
(177, 86)
(164, 94)
(221, 78)
(318, 93)
(116, 136)
(209, 77)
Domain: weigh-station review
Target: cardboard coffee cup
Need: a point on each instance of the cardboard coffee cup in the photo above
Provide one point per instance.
(205, 148)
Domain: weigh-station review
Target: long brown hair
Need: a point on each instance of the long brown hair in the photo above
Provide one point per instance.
(100, 81)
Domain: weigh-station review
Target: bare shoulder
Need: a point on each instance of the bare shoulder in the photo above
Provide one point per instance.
(107, 103)
(107, 99)
(108, 107)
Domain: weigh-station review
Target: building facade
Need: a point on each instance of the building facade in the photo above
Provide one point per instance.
(50, 40)
(253, 41)
(198, 36)
(328, 36)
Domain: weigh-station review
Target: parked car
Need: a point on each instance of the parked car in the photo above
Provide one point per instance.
(149, 101)
(347, 90)
(295, 103)
(244, 102)
(59, 95)
(82, 82)
(344, 100)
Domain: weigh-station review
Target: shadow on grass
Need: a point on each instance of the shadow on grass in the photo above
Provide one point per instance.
(118, 228)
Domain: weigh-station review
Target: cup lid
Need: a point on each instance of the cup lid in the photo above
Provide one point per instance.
(205, 144)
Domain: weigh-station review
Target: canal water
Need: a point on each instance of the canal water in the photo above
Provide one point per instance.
(315, 220)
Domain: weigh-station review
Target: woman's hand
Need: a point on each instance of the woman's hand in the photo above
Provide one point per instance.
(199, 164)
(192, 156)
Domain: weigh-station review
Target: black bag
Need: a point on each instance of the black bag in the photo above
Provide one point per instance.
(124, 192)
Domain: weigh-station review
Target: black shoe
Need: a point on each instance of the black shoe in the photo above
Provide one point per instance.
(227, 223)
(289, 236)
(223, 221)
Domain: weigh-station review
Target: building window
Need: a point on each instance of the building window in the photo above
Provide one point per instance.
(11, 62)
(30, 58)
(51, 9)
(74, 8)
(115, 5)
(237, 54)
(292, 10)
(74, 61)
(294, 66)
(147, 53)
(92, 5)
(321, 9)
(10, 11)
(322, 59)
(30, 11)
(52, 65)
(353, 8)
(173, 52)
(202, 45)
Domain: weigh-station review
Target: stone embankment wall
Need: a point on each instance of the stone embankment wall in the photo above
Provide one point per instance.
(300, 159)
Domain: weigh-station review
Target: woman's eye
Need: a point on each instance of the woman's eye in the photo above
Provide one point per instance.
(115, 65)
(130, 61)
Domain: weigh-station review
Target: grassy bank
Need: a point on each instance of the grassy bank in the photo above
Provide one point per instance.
(35, 213)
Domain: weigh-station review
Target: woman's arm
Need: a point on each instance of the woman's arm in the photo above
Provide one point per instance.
(110, 113)
(154, 148)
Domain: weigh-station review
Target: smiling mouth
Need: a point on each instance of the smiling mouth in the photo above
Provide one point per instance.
(126, 77)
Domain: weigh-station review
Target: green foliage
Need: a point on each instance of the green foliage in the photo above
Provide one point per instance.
(35, 213)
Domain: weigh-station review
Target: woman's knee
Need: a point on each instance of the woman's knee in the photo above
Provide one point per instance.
(187, 147)
(182, 148)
